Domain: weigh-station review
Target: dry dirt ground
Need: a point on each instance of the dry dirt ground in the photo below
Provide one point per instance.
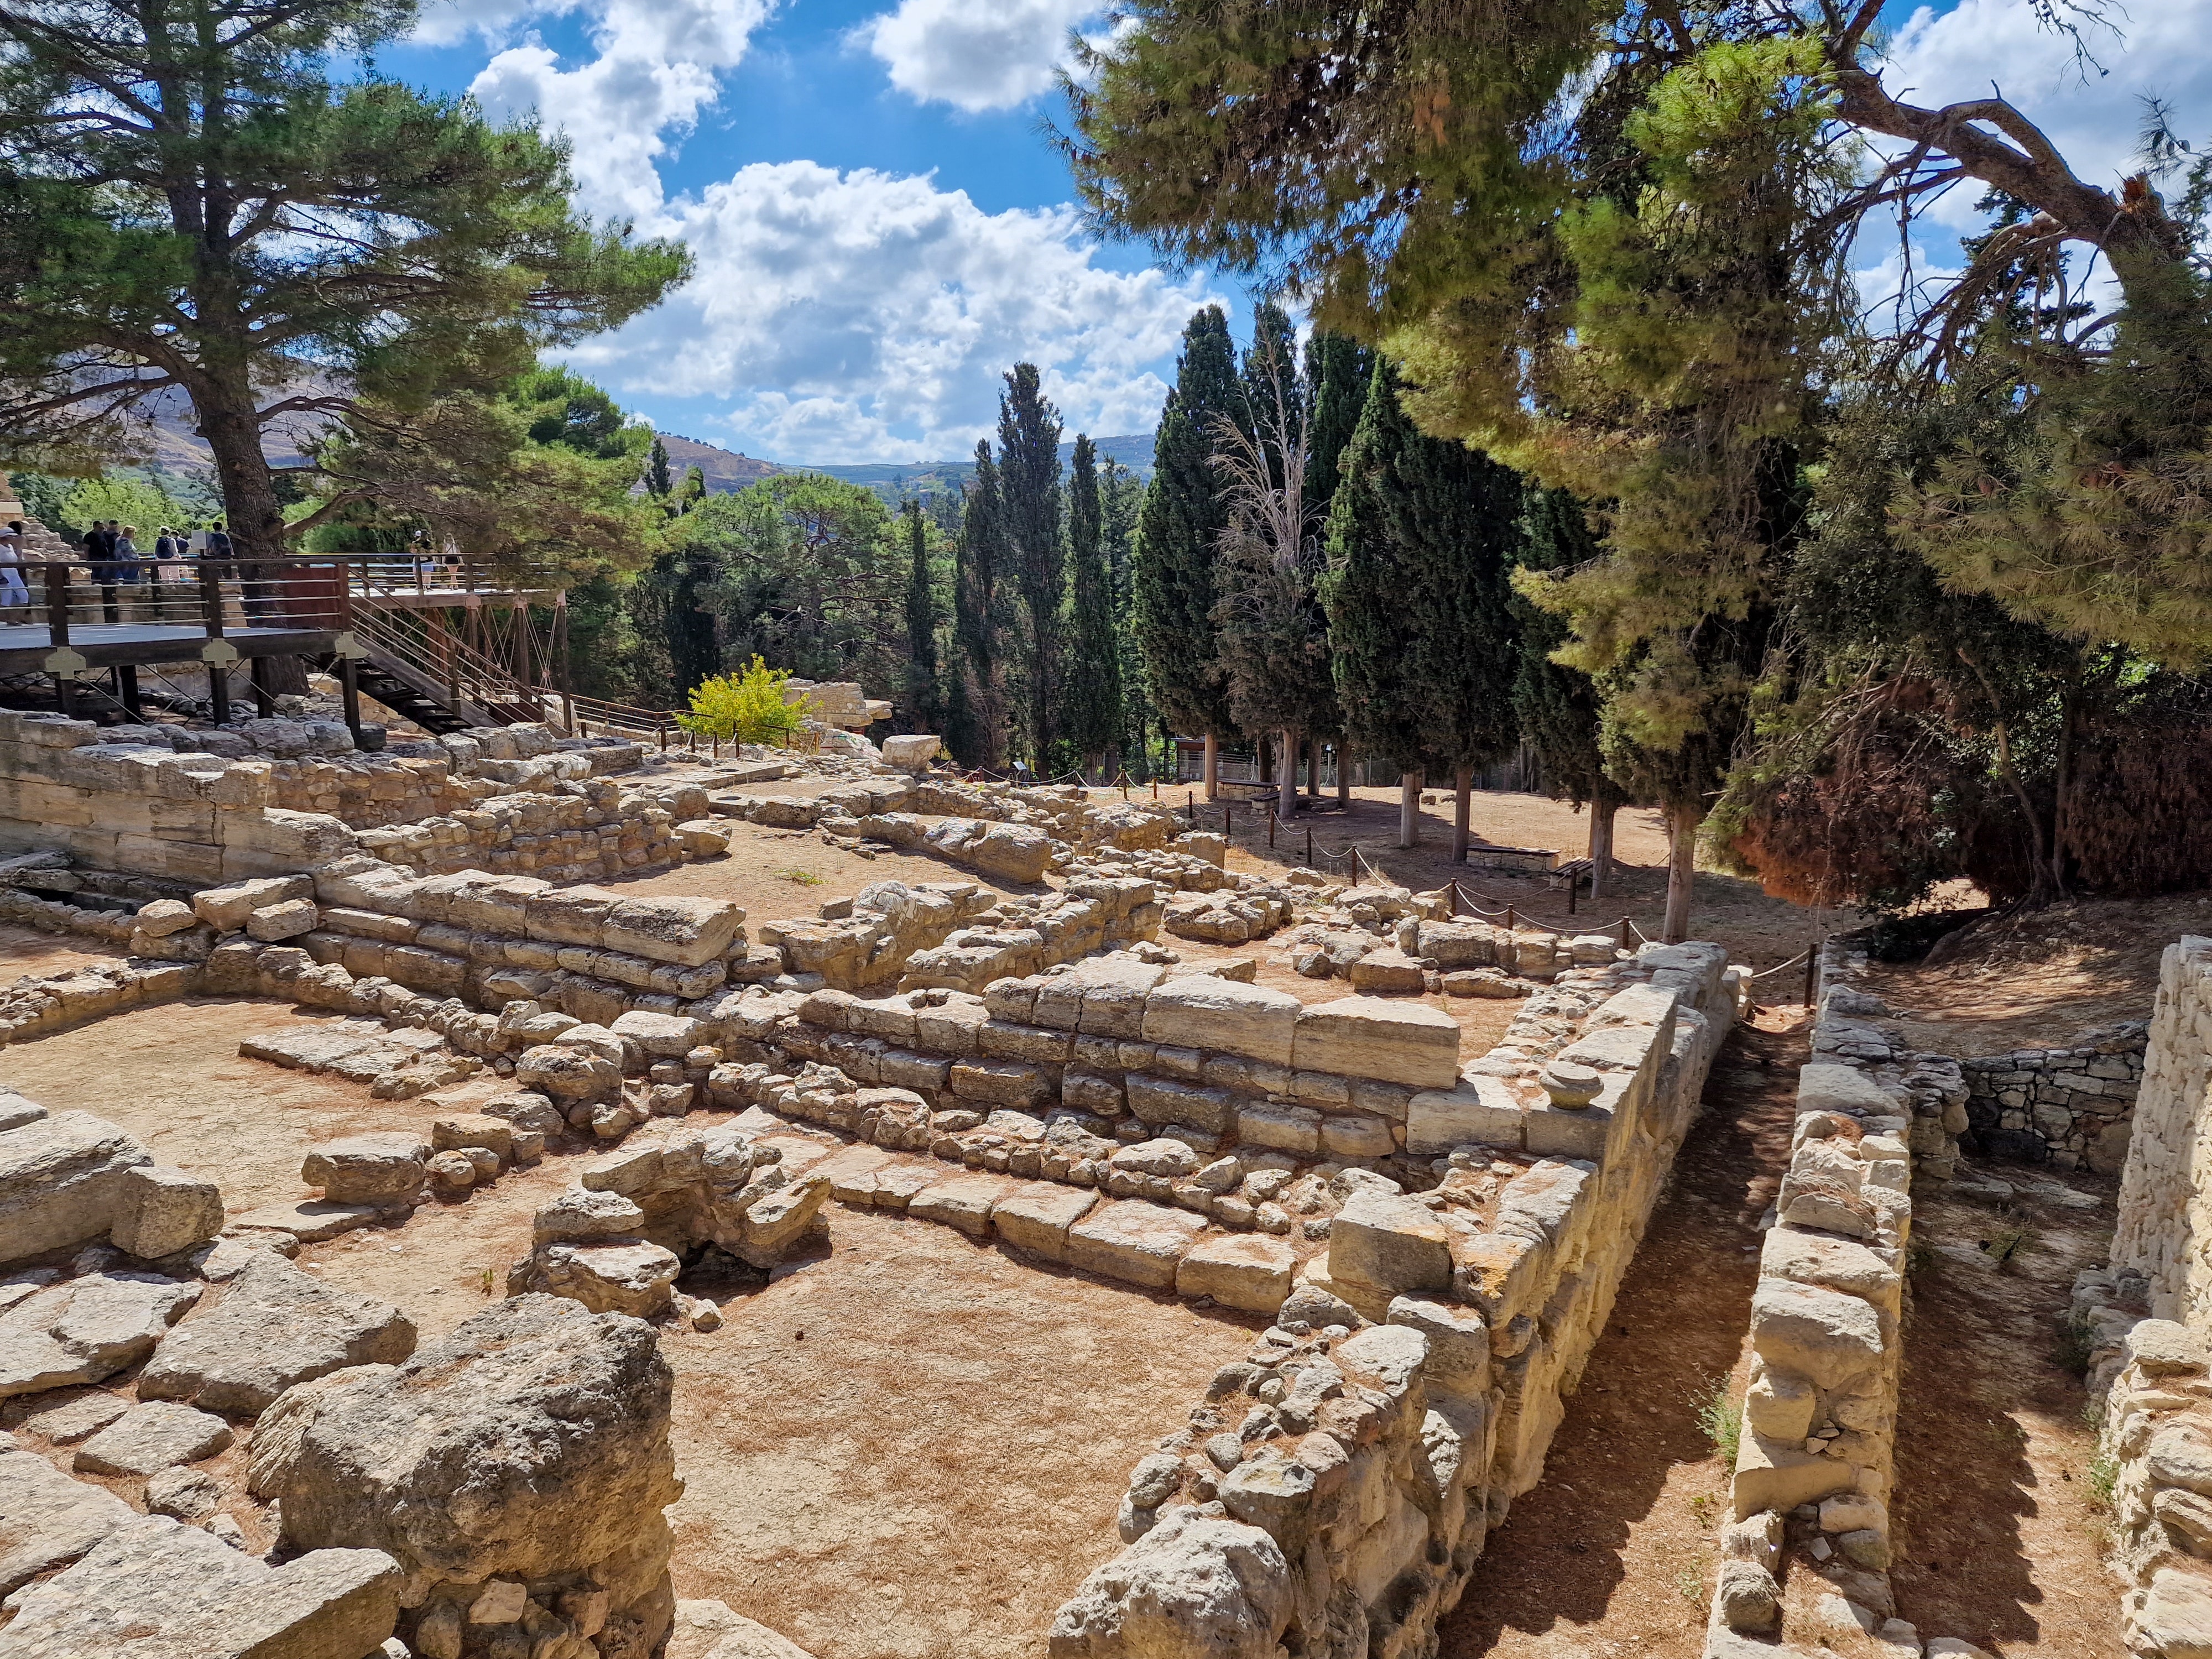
(1613, 1553)
(914, 1448)
(2036, 978)
(26, 951)
(2001, 1530)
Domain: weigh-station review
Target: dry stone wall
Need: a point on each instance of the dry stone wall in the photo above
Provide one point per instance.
(1333, 1494)
(2073, 1107)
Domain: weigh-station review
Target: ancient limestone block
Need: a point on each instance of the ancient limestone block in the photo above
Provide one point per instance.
(774, 1223)
(1129, 1239)
(380, 1168)
(1826, 1336)
(1389, 1241)
(157, 1586)
(162, 1212)
(1285, 1128)
(87, 1329)
(1036, 1215)
(307, 1221)
(272, 922)
(1160, 1100)
(276, 1326)
(965, 1202)
(225, 908)
(1250, 1272)
(615, 1275)
(1458, 1342)
(163, 917)
(1205, 1011)
(151, 1436)
(1838, 1264)
(1405, 1043)
(1191, 1585)
(46, 1519)
(1001, 1083)
(1480, 1111)
(1780, 1407)
(1554, 1131)
(1356, 1134)
(569, 1073)
(710, 1630)
(64, 1179)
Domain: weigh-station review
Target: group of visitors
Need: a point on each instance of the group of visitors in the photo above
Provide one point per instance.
(119, 566)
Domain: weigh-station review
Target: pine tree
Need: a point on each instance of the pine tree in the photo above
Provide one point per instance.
(1092, 705)
(924, 704)
(660, 480)
(1029, 512)
(1420, 534)
(1559, 708)
(1178, 531)
(977, 731)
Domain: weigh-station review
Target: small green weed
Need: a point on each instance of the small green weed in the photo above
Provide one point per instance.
(1919, 1256)
(2103, 1475)
(2007, 1241)
(1721, 1417)
(1690, 1584)
(1704, 1506)
(2077, 1344)
(804, 877)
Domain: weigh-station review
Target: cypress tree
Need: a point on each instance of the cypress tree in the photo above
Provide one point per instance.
(1092, 718)
(923, 702)
(659, 481)
(1029, 512)
(1122, 498)
(1178, 531)
(978, 734)
(1558, 708)
(1338, 369)
(1420, 534)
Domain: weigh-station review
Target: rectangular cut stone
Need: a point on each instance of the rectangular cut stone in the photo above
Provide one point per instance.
(1001, 1083)
(897, 1183)
(1250, 1271)
(1387, 1241)
(1158, 1101)
(1285, 1128)
(951, 1028)
(965, 1202)
(1483, 1111)
(688, 931)
(1551, 1131)
(1115, 991)
(1000, 1039)
(570, 916)
(1355, 1134)
(1393, 1039)
(1203, 1012)
(1130, 1240)
(1035, 1217)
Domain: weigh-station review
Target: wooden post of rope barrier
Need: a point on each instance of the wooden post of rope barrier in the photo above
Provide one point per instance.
(1508, 918)
(1271, 827)
(1190, 805)
(1229, 820)
(1812, 971)
(1309, 847)
(1574, 886)
(1624, 932)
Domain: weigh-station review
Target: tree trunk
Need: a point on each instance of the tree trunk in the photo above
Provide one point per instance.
(1212, 770)
(1286, 788)
(1681, 870)
(1409, 806)
(227, 420)
(1343, 778)
(1313, 769)
(1603, 810)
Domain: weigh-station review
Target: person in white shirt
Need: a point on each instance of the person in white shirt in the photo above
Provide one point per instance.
(13, 594)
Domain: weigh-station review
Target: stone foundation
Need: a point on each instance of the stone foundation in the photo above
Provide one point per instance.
(2072, 1107)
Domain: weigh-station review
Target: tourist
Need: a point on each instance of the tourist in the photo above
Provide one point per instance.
(99, 544)
(13, 594)
(125, 566)
(169, 544)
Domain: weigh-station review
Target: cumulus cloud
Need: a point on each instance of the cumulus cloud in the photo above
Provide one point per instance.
(2093, 112)
(852, 316)
(974, 54)
(657, 66)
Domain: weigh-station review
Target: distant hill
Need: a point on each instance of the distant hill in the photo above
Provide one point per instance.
(177, 446)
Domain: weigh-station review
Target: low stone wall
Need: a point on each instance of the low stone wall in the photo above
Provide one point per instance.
(2072, 1107)
(2147, 1315)
(1333, 1492)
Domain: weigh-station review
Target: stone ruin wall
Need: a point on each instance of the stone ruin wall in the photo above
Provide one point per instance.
(2072, 1107)
(1177, 1131)
(1816, 1460)
(2148, 1318)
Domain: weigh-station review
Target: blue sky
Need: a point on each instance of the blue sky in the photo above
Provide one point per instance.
(881, 226)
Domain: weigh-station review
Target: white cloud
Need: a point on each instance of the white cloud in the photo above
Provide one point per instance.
(658, 65)
(975, 54)
(2093, 112)
(862, 316)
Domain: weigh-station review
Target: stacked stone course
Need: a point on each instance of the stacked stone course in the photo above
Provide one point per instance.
(2072, 1107)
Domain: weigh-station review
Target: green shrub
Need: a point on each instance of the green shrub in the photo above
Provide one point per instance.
(747, 707)
(1721, 1417)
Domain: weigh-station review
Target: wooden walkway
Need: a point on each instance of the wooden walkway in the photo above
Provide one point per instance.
(24, 647)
